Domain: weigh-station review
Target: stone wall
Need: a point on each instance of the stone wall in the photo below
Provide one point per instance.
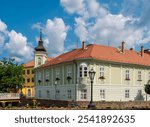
(84, 104)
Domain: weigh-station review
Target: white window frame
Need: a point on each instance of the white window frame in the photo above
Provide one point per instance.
(139, 75)
(39, 76)
(102, 71)
(57, 73)
(39, 94)
(84, 94)
(82, 71)
(149, 75)
(69, 94)
(39, 62)
(69, 71)
(102, 94)
(48, 94)
(57, 94)
(127, 94)
(47, 74)
(127, 74)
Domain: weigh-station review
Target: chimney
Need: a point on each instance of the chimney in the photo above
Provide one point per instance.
(142, 51)
(123, 47)
(83, 45)
(131, 49)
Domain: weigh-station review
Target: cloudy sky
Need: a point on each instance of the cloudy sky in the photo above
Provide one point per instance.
(66, 23)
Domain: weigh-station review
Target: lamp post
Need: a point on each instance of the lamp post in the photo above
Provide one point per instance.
(55, 88)
(92, 75)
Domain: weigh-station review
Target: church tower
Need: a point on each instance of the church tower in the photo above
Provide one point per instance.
(40, 54)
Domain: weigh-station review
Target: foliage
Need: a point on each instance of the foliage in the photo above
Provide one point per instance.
(147, 87)
(10, 75)
(139, 97)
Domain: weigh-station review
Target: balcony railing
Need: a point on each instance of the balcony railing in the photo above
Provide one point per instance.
(9, 96)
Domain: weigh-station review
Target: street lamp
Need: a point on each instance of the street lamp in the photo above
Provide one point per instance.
(92, 75)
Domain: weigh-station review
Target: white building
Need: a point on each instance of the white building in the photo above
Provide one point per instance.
(120, 74)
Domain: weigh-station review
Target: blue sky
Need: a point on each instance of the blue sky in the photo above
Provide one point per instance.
(66, 23)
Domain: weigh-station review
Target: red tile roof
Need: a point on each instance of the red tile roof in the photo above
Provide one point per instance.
(31, 63)
(105, 53)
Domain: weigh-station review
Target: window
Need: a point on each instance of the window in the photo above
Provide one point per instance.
(57, 73)
(47, 77)
(102, 94)
(57, 94)
(28, 80)
(80, 71)
(83, 70)
(32, 71)
(32, 79)
(69, 74)
(24, 71)
(84, 94)
(23, 80)
(40, 94)
(39, 76)
(28, 71)
(48, 94)
(149, 76)
(139, 75)
(101, 71)
(39, 61)
(127, 74)
(127, 93)
(69, 94)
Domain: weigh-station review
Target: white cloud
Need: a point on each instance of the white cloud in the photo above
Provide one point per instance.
(55, 33)
(2, 40)
(3, 26)
(96, 24)
(81, 30)
(73, 6)
(18, 47)
(15, 44)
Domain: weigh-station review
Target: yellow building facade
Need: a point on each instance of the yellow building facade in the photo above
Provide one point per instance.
(28, 79)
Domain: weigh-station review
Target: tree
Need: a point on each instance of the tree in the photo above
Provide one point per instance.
(10, 75)
(147, 87)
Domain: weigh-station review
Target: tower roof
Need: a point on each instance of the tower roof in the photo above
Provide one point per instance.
(40, 46)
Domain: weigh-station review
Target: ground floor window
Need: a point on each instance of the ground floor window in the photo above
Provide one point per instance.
(57, 94)
(48, 94)
(84, 94)
(40, 94)
(69, 94)
(127, 93)
(102, 94)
